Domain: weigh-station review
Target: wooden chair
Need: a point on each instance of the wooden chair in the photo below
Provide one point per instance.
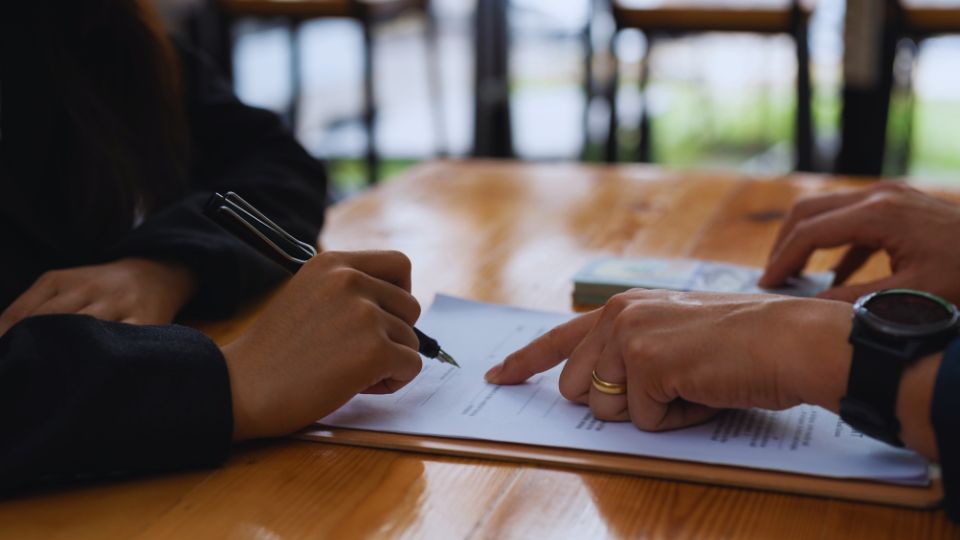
(670, 18)
(367, 13)
(921, 20)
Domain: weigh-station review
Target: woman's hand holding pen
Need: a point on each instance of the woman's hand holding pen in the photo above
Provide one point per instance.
(341, 326)
(131, 290)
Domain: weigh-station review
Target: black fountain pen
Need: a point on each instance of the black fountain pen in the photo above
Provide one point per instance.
(250, 225)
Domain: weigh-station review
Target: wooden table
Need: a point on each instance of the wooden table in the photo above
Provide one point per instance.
(502, 233)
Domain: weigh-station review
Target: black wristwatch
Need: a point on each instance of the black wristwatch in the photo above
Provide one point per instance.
(891, 329)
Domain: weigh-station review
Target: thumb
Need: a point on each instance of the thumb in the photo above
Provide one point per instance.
(850, 293)
(544, 352)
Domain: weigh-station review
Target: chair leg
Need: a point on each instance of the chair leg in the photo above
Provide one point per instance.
(492, 131)
(866, 102)
(645, 152)
(804, 120)
(296, 75)
(369, 110)
(900, 157)
(911, 120)
(434, 63)
(587, 80)
(611, 95)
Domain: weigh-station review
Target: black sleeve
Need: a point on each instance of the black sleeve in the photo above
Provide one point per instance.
(83, 397)
(235, 148)
(945, 415)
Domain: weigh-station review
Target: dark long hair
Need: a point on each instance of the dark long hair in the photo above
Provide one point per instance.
(122, 102)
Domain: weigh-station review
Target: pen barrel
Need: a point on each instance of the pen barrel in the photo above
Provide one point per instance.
(258, 231)
(428, 346)
(259, 244)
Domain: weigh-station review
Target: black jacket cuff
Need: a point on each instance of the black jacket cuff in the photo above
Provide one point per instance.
(84, 397)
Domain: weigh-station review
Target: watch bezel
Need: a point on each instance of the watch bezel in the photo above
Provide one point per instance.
(900, 330)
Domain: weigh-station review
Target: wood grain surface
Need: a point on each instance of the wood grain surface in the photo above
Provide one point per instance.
(508, 233)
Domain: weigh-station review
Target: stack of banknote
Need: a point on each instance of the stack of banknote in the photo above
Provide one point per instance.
(604, 277)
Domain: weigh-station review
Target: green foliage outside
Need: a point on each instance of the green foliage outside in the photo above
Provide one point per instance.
(699, 131)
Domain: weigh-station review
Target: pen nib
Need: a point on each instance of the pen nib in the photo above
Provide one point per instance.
(446, 358)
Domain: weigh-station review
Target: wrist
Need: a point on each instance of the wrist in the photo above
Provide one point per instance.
(822, 372)
(821, 375)
(243, 416)
(183, 279)
(897, 335)
(180, 281)
(914, 398)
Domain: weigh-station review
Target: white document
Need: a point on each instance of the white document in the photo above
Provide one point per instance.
(449, 402)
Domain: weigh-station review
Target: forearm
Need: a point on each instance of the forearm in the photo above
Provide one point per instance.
(823, 379)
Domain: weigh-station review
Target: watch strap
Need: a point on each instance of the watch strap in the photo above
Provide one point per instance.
(871, 399)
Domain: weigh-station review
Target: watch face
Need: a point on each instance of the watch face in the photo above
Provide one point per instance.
(906, 312)
(907, 309)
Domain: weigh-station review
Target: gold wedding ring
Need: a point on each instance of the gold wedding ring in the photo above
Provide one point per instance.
(613, 389)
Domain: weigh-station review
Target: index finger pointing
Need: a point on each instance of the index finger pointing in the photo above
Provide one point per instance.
(544, 352)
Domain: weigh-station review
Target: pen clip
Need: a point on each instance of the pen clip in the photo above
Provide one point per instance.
(241, 218)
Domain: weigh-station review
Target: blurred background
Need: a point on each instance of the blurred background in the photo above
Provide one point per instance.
(716, 84)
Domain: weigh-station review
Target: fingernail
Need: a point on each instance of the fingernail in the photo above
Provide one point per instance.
(492, 373)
